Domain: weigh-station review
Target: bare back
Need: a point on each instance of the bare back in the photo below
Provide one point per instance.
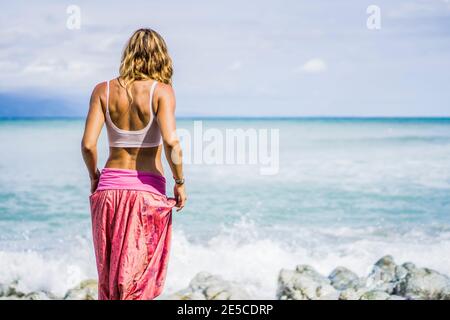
(133, 118)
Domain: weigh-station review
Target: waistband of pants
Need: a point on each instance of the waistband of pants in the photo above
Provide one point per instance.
(114, 178)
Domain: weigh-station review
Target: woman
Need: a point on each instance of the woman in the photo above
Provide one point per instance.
(131, 215)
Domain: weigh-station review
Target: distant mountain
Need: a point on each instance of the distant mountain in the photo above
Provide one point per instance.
(31, 106)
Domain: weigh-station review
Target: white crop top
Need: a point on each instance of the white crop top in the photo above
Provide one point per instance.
(150, 136)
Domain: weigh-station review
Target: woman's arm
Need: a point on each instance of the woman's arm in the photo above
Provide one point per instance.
(167, 123)
(94, 123)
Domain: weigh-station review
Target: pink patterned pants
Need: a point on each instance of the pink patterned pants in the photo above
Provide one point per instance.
(132, 235)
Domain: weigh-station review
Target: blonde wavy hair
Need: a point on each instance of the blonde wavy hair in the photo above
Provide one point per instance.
(145, 57)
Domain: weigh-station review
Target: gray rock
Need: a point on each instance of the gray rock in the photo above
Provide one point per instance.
(423, 283)
(86, 290)
(375, 295)
(352, 293)
(342, 278)
(400, 272)
(39, 295)
(386, 281)
(3, 290)
(409, 266)
(395, 297)
(304, 284)
(10, 298)
(205, 286)
(186, 294)
(12, 290)
(383, 275)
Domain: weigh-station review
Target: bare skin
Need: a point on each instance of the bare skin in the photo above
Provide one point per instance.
(134, 117)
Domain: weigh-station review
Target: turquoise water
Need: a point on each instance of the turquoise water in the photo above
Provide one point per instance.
(347, 191)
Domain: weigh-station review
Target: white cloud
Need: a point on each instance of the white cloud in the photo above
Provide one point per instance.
(315, 65)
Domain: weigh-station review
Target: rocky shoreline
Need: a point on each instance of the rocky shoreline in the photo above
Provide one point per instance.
(386, 281)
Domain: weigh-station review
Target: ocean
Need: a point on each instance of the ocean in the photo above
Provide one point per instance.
(346, 192)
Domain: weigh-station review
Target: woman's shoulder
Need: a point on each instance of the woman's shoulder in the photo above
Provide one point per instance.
(164, 90)
(99, 92)
(100, 87)
(165, 96)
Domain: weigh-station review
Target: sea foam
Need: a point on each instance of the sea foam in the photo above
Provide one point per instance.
(242, 254)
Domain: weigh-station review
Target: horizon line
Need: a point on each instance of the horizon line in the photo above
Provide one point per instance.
(241, 117)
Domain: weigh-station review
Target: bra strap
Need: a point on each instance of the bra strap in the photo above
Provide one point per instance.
(107, 96)
(152, 90)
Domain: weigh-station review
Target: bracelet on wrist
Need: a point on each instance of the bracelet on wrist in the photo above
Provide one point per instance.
(179, 181)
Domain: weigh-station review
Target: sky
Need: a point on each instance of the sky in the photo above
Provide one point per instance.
(236, 58)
